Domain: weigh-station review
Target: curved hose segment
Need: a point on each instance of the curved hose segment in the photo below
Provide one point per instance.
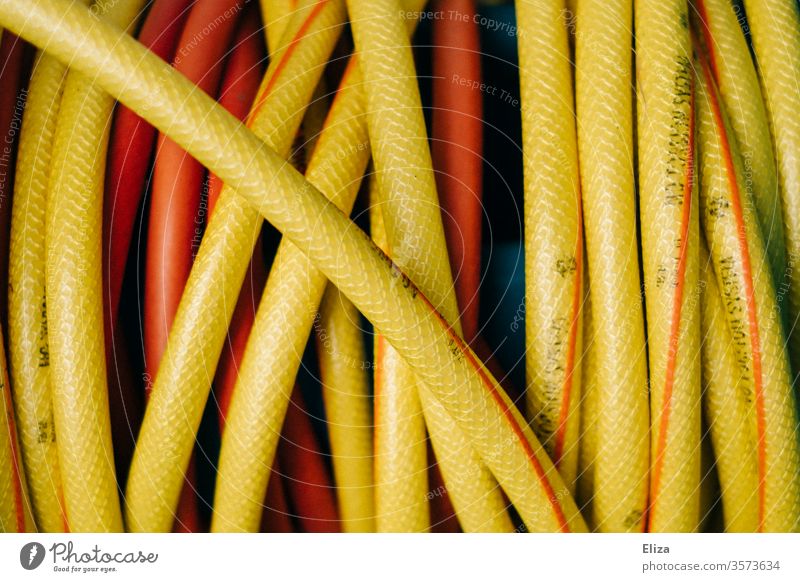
(412, 220)
(177, 209)
(393, 304)
(129, 158)
(15, 507)
(775, 30)
(457, 149)
(670, 227)
(742, 270)
(735, 75)
(726, 406)
(239, 89)
(307, 479)
(75, 307)
(618, 453)
(348, 408)
(188, 365)
(29, 349)
(553, 233)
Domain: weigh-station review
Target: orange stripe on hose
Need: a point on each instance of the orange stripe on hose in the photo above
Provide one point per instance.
(677, 304)
(507, 414)
(700, 5)
(262, 98)
(752, 316)
(577, 295)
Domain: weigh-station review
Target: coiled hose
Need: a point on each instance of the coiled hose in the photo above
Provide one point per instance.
(487, 417)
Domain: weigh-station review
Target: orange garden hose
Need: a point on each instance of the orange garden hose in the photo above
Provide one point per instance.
(14, 65)
(177, 207)
(308, 481)
(457, 150)
(129, 157)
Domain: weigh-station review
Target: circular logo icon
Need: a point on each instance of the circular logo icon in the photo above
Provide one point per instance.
(31, 555)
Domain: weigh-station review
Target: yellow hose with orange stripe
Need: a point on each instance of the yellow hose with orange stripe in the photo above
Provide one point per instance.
(740, 92)
(670, 227)
(743, 276)
(727, 409)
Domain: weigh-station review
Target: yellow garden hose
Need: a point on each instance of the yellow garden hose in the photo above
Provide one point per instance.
(302, 213)
(276, 15)
(401, 452)
(27, 305)
(348, 408)
(74, 282)
(736, 78)
(414, 238)
(553, 232)
(726, 408)
(15, 508)
(775, 29)
(670, 227)
(742, 271)
(619, 404)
